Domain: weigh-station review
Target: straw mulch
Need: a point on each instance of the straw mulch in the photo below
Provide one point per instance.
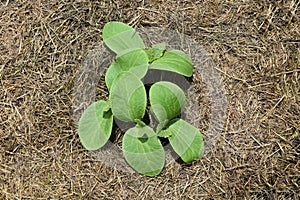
(256, 48)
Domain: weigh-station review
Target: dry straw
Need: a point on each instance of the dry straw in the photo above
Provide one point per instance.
(255, 46)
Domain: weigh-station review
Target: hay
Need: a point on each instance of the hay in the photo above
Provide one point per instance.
(255, 46)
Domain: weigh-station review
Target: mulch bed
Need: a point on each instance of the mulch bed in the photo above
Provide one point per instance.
(256, 50)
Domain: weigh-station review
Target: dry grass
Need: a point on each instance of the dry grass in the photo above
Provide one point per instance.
(256, 46)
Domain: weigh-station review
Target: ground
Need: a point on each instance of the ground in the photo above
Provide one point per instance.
(255, 46)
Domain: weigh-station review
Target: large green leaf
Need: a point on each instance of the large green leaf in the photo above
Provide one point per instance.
(175, 61)
(186, 140)
(135, 61)
(95, 125)
(121, 38)
(143, 150)
(128, 97)
(167, 101)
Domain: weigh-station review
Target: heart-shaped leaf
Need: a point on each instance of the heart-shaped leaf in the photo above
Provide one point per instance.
(175, 61)
(143, 150)
(95, 125)
(128, 97)
(167, 101)
(121, 38)
(135, 61)
(186, 140)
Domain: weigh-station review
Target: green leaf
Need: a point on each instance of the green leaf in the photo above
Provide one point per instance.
(128, 97)
(164, 133)
(111, 74)
(167, 101)
(175, 61)
(160, 126)
(156, 51)
(143, 151)
(121, 38)
(186, 140)
(134, 61)
(95, 125)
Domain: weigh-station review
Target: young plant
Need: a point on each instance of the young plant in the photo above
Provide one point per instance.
(127, 102)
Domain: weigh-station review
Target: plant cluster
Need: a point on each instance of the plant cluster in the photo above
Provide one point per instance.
(141, 145)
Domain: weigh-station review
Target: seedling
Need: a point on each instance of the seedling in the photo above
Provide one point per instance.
(141, 145)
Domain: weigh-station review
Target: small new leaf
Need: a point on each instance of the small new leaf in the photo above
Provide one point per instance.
(165, 133)
(156, 51)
